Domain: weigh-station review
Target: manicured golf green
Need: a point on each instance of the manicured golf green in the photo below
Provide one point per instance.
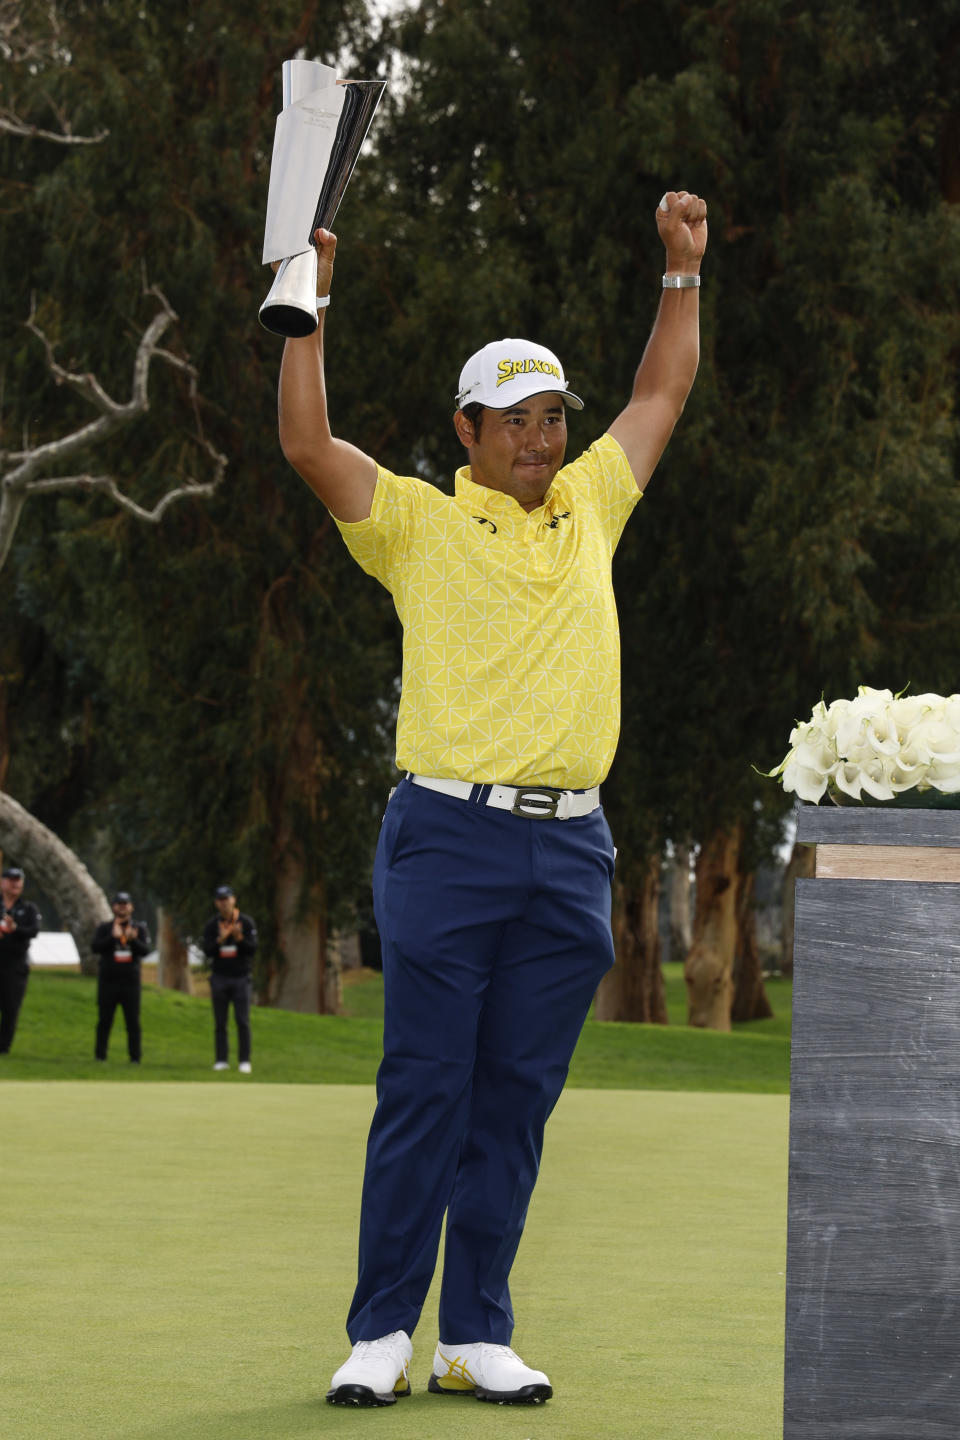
(178, 1259)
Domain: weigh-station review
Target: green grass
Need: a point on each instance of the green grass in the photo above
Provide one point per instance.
(179, 1257)
(55, 1042)
(178, 1261)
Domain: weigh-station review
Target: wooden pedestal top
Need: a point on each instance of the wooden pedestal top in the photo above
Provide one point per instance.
(882, 844)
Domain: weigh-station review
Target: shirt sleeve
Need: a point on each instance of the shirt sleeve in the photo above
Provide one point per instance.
(29, 922)
(102, 942)
(603, 477)
(379, 543)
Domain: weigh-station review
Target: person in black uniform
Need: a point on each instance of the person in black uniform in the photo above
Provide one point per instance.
(229, 943)
(120, 944)
(19, 923)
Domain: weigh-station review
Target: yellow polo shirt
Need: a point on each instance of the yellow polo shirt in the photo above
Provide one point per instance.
(511, 648)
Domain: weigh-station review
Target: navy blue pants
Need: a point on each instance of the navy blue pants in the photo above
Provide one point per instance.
(495, 932)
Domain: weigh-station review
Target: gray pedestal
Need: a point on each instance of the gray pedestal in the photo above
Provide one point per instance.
(873, 1241)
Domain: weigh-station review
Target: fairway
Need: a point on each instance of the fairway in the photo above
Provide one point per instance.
(178, 1260)
(55, 1042)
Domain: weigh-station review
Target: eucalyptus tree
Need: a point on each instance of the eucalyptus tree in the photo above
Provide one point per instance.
(224, 684)
(780, 552)
(222, 713)
(34, 49)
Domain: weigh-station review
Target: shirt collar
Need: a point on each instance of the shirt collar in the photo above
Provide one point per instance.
(495, 501)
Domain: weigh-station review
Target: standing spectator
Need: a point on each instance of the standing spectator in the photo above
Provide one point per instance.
(229, 943)
(120, 944)
(19, 923)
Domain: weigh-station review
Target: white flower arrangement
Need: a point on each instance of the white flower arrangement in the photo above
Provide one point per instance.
(875, 748)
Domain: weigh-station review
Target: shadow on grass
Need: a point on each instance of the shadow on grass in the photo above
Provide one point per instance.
(425, 1416)
(299, 1418)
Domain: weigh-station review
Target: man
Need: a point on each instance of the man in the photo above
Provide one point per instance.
(229, 943)
(119, 944)
(19, 924)
(493, 869)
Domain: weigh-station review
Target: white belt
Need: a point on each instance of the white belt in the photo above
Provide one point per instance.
(536, 802)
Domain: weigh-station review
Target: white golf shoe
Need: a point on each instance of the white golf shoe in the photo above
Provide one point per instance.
(376, 1372)
(489, 1372)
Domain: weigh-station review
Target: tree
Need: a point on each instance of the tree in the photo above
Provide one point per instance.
(226, 718)
(80, 900)
(31, 41)
(785, 546)
(33, 471)
(633, 989)
(25, 472)
(799, 537)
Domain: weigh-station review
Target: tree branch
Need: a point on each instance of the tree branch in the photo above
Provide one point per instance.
(34, 43)
(80, 900)
(27, 471)
(110, 485)
(13, 125)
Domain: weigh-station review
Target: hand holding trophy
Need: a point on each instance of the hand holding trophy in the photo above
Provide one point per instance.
(318, 137)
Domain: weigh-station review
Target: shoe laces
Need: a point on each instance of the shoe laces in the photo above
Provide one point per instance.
(488, 1347)
(386, 1344)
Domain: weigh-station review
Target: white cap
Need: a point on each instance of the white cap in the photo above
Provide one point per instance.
(505, 372)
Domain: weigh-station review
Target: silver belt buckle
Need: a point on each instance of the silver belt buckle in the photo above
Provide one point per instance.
(538, 803)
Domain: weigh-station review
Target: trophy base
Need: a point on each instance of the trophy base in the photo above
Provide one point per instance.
(291, 307)
(293, 321)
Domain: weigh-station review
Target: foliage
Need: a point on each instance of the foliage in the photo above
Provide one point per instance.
(202, 702)
(217, 695)
(803, 524)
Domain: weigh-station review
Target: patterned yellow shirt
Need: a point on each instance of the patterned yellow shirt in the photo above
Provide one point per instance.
(511, 648)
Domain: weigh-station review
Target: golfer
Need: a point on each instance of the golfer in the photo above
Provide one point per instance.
(493, 869)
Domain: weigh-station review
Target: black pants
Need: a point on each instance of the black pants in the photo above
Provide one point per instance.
(13, 987)
(224, 991)
(126, 994)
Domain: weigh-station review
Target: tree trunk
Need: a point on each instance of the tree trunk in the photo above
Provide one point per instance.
(81, 903)
(332, 977)
(173, 958)
(800, 867)
(680, 894)
(633, 989)
(310, 978)
(749, 997)
(308, 975)
(345, 945)
(708, 969)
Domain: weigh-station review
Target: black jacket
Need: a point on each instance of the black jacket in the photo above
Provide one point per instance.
(222, 962)
(106, 945)
(14, 947)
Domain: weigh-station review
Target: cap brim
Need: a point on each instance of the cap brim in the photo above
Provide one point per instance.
(572, 400)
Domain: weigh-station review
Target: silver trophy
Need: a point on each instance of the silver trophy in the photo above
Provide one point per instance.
(318, 137)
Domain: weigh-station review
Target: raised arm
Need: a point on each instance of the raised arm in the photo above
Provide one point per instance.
(669, 365)
(343, 476)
